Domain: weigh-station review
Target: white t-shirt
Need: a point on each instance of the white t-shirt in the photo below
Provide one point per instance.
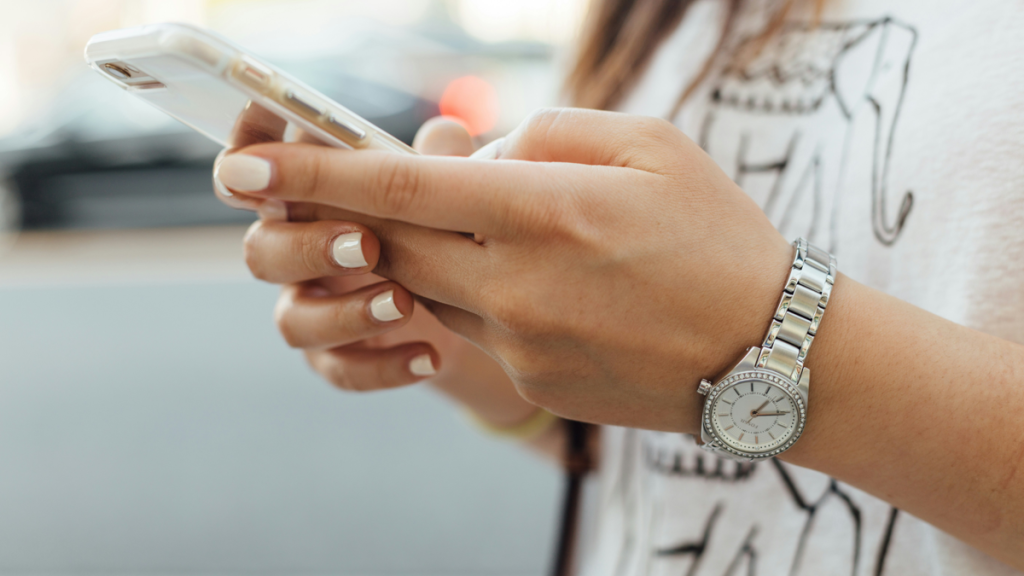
(832, 129)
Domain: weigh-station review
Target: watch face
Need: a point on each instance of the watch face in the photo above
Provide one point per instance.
(755, 414)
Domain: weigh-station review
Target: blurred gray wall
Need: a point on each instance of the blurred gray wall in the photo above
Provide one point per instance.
(167, 429)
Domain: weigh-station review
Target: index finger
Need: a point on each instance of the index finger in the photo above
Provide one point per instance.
(492, 197)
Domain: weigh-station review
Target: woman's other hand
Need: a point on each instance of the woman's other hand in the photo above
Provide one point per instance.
(359, 331)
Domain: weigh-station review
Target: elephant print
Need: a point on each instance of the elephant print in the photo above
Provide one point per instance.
(772, 122)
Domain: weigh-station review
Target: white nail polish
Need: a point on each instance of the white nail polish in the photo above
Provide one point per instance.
(422, 365)
(220, 187)
(383, 307)
(273, 211)
(244, 173)
(347, 250)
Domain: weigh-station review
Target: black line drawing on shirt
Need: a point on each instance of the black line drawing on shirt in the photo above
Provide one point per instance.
(804, 83)
(671, 463)
(886, 541)
(658, 453)
(746, 552)
(696, 549)
(811, 510)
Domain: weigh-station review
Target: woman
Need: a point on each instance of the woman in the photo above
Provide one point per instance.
(615, 263)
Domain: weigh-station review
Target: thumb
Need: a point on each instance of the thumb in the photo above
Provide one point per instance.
(441, 136)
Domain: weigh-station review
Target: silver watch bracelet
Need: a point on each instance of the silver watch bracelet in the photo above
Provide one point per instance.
(799, 312)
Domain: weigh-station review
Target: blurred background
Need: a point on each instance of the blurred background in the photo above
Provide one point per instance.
(151, 419)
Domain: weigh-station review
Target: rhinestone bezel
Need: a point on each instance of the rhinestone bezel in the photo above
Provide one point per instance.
(776, 379)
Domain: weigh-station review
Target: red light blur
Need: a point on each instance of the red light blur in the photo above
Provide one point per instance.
(472, 100)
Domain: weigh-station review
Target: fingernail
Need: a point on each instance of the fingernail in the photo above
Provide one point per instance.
(235, 201)
(383, 307)
(422, 365)
(220, 187)
(347, 250)
(244, 173)
(273, 211)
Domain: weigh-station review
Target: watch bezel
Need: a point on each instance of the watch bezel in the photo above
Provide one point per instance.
(787, 385)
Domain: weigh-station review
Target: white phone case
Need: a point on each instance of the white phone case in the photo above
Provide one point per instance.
(213, 86)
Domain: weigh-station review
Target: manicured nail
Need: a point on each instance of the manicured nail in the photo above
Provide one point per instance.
(244, 173)
(422, 365)
(383, 307)
(273, 211)
(347, 250)
(220, 187)
(236, 201)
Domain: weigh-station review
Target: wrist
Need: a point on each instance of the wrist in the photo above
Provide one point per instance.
(827, 415)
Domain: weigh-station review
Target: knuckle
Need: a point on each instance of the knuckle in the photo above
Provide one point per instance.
(310, 246)
(398, 185)
(573, 221)
(655, 125)
(251, 252)
(336, 369)
(534, 130)
(348, 322)
(357, 380)
(314, 175)
(541, 120)
(657, 131)
(285, 324)
(382, 377)
(553, 218)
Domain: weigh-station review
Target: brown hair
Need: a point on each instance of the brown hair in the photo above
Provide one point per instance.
(620, 38)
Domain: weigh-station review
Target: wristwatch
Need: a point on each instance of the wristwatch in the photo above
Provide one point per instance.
(759, 407)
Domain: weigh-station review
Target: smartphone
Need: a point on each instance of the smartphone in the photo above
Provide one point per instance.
(216, 88)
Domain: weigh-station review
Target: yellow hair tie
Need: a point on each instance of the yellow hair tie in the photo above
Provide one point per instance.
(532, 427)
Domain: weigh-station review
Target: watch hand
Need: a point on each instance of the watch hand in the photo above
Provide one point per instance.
(769, 414)
(758, 409)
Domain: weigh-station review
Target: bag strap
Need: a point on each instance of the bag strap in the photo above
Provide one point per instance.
(577, 464)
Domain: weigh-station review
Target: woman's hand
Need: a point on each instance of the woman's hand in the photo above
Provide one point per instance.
(359, 331)
(614, 264)
(617, 265)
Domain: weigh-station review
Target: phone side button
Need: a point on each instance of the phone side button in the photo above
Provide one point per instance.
(255, 75)
(302, 104)
(350, 131)
(251, 73)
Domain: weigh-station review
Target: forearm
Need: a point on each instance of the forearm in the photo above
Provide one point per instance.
(921, 412)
